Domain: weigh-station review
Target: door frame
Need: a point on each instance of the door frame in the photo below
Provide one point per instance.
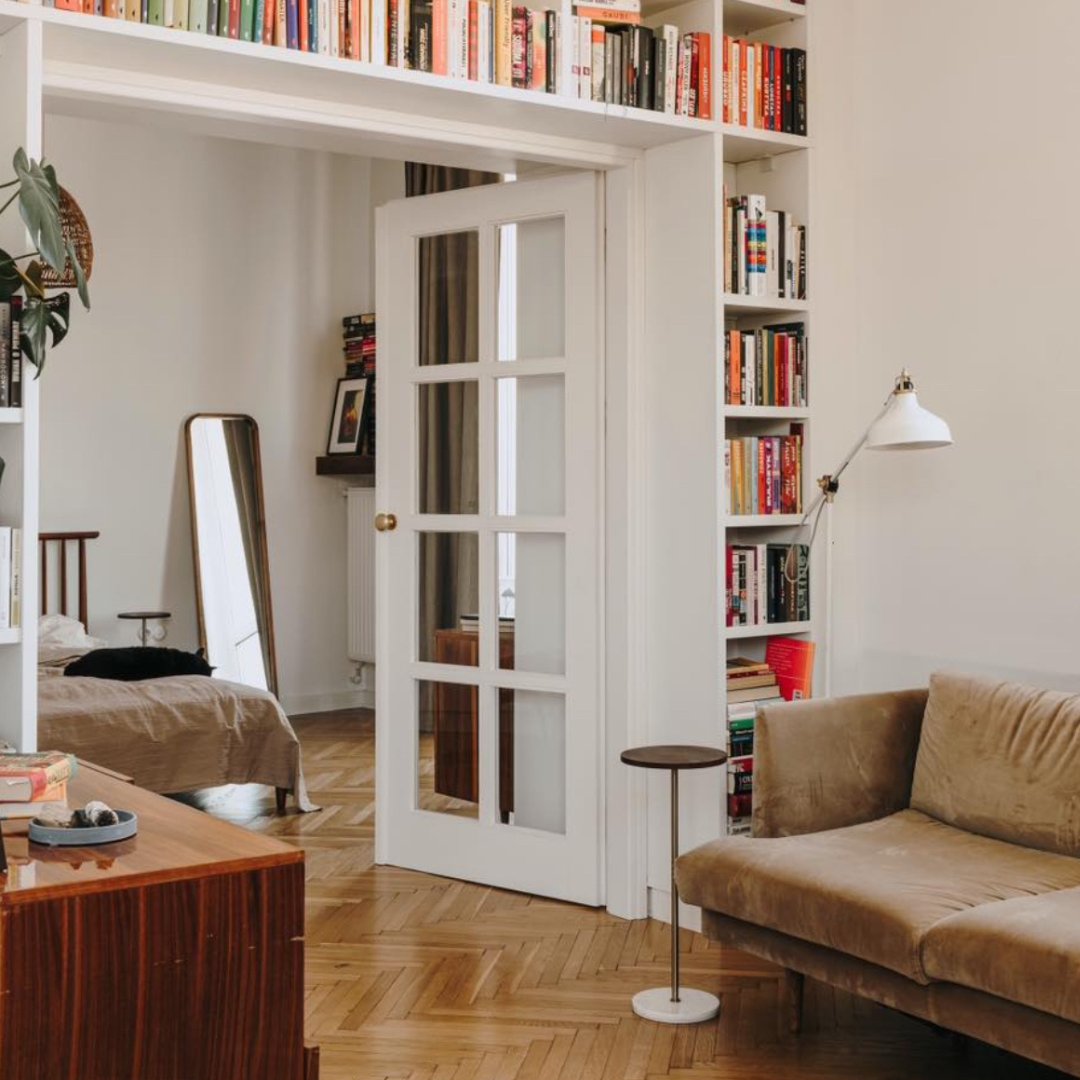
(623, 616)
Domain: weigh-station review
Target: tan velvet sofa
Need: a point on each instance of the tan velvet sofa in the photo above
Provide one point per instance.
(918, 848)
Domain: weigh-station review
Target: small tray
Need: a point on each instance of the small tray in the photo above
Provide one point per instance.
(127, 826)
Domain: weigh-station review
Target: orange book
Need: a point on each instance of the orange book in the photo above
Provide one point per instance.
(793, 661)
(705, 82)
(269, 19)
(606, 15)
(302, 20)
(356, 30)
(440, 13)
(112, 9)
(69, 5)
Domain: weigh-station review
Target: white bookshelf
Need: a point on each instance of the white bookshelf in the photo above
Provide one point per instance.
(779, 166)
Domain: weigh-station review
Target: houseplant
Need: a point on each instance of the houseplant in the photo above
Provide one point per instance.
(46, 312)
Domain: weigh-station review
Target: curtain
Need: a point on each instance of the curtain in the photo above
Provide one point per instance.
(240, 442)
(448, 424)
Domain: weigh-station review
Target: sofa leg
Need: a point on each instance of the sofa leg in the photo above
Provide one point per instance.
(281, 796)
(794, 982)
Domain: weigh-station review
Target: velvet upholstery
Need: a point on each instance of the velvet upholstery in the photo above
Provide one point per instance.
(1025, 950)
(1002, 760)
(824, 764)
(872, 890)
(1013, 1027)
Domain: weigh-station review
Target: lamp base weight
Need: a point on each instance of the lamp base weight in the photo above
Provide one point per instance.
(693, 1006)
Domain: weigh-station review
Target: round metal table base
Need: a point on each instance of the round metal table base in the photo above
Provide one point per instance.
(693, 1006)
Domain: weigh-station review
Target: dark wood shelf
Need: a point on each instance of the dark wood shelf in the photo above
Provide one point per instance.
(345, 465)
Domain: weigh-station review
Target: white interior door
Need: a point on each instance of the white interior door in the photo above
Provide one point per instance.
(488, 687)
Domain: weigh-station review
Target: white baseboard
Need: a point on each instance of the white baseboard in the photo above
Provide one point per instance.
(300, 704)
(660, 909)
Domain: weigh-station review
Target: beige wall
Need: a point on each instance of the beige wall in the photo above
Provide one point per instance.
(967, 165)
(222, 272)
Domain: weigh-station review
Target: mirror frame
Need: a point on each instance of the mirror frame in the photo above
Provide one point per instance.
(263, 552)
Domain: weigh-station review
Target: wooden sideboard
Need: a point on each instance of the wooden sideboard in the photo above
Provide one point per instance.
(175, 955)
(457, 747)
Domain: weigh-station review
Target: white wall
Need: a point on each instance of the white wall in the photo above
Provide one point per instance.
(221, 274)
(968, 165)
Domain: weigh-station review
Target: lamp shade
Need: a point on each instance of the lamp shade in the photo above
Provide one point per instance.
(906, 425)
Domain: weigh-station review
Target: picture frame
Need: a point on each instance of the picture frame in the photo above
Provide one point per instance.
(348, 416)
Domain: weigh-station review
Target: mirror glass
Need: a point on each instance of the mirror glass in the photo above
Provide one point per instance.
(232, 568)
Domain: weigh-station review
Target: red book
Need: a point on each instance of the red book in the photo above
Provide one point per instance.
(766, 502)
(302, 19)
(234, 19)
(695, 75)
(746, 111)
(703, 53)
(793, 661)
(269, 18)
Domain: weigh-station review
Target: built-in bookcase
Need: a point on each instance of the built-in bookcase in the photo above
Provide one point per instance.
(779, 167)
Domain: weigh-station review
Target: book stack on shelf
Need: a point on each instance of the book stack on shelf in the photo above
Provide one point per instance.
(358, 334)
(617, 60)
(763, 473)
(767, 583)
(11, 368)
(750, 683)
(764, 86)
(766, 366)
(764, 250)
(32, 783)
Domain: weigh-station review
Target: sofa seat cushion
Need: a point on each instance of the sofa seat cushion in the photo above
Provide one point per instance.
(870, 890)
(1025, 950)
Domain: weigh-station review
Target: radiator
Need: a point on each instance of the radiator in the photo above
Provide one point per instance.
(361, 575)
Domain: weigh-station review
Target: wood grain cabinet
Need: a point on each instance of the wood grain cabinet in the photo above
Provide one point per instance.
(175, 955)
(457, 747)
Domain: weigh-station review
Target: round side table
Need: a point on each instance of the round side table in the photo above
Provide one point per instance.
(144, 617)
(673, 1004)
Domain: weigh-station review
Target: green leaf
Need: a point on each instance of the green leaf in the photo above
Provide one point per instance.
(39, 205)
(10, 279)
(80, 275)
(51, 316)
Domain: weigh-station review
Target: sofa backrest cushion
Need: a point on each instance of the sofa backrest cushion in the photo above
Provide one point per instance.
(1002, 760)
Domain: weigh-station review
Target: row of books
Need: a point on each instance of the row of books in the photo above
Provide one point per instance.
(764, 86)
(763, 473)
(358, 348)
(764, 250)
(29, 783)
(11, 366)
(767, 583)
(609, 56)
(663, 70)
(766, 366)
(11, 584)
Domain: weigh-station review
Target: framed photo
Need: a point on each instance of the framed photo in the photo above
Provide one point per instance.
(347, 422)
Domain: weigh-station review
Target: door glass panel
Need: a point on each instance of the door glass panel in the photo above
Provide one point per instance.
(448, 578)
(532, 759)
(448, 448)
(532, 601)
(448, 755)
(448, 299)
(532, 289)
(530, 444)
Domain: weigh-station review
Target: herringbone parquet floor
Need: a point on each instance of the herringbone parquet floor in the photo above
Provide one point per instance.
(425, 978)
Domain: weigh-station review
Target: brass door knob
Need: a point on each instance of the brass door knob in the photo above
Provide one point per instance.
(386, 522)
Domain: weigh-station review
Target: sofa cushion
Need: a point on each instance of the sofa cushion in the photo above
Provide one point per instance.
(1025, 950)
(871, 890)
(1002, 760)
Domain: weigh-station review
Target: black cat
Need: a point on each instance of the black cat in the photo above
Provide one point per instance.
(139, 662)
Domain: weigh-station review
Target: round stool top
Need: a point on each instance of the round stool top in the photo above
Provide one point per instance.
(673, 757)
(145, 615)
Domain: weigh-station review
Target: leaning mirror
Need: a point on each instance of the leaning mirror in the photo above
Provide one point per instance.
(232, 567)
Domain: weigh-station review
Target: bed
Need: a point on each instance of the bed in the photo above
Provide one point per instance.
(169, 735)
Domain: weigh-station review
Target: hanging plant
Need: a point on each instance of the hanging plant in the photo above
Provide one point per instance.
(46, 314)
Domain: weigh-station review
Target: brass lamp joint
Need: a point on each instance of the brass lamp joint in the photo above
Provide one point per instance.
(905, 384)
(829, 487)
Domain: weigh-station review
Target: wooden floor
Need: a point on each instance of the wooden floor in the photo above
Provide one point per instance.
(421, 977)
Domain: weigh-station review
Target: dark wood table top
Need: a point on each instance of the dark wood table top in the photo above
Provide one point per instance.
(673, 757)
(173, 842)
(145, 615)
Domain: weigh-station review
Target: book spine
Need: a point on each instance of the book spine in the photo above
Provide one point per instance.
(303, 19)
(474, 41)
(16, 577)
(584, 86)
(5, 354)
(5, 580)
(212, 16)
(197, 16)
(504, 34)
(705, 76)
(517, 47)
(485, 64)
(16, 393)
(378, 32)
(156, 12)
(596, 62)
(247, 20)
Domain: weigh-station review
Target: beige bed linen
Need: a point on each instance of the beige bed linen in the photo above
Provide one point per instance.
(170, 735)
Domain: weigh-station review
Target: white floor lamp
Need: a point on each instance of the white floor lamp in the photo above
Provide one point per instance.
(902, 424)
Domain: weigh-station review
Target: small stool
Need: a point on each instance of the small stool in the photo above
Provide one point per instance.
(144, 617)
(671, 1004)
